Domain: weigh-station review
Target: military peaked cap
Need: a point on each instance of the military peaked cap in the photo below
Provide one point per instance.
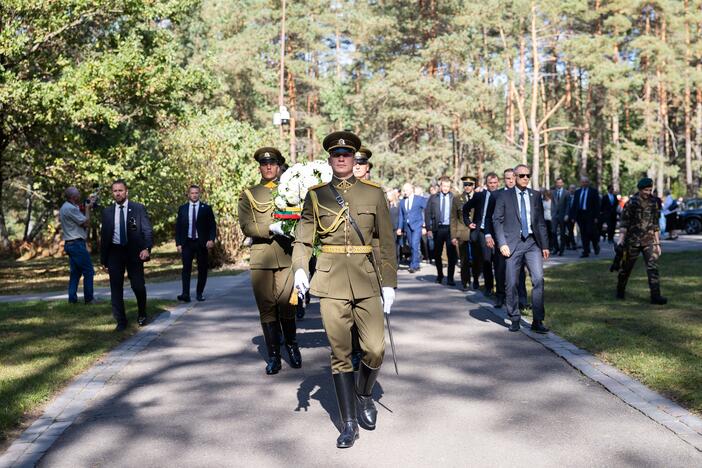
(469, 178)
(269, 154)
(363, 155)
(342, 139)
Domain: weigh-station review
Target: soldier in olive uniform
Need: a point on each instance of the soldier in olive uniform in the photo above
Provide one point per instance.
(270, 262)
(639, 232)
(345, 215)
(361, 170)
(460, 233)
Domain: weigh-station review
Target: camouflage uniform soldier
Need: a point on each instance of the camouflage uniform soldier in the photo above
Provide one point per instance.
(640, 233)
(271, 251)
(345, 215)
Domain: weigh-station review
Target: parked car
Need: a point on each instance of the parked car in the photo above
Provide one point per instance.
(690, 216)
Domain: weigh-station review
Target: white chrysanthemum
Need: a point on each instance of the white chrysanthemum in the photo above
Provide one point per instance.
(280, 202)
(293, 198)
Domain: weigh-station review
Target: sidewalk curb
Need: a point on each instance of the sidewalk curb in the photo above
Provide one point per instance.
(63, 411)
(674, 417)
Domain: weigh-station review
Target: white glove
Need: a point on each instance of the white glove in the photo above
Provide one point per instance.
(302, 283)
(388, 298)
(277, 228)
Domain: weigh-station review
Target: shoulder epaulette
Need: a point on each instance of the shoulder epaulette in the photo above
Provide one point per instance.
(371, 183)
(318, 186)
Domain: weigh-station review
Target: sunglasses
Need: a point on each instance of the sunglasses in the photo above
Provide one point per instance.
(524, 176)
(468, 184)
(342, 155)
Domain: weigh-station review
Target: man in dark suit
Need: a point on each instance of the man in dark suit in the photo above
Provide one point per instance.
(608, 213)
(501, 262)
(585, 210)
(195, 233)
(411, 222)
(126, 241)
(520, 229)
(437, 219)
(559, 214)
(483, 206)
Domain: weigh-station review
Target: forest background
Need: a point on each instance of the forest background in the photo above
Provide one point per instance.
(165, 93)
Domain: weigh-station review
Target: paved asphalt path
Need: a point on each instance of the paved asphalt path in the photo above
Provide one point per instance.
(469, 394)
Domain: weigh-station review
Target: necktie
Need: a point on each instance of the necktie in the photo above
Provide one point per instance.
(193, 232)
(122, 227)
(583, 200)
(443, 204)
(482, 221)
(523, 213)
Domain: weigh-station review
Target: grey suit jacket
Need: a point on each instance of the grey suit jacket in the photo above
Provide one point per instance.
(507, 221)
(560, 205)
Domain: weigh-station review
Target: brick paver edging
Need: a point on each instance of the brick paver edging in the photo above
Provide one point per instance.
(29, 447)
(682, 422)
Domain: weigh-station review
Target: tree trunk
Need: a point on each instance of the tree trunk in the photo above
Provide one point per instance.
(687, 106)
(615, 157)
(536, 140)
(4, 234)
(522, 96)
(28, 215)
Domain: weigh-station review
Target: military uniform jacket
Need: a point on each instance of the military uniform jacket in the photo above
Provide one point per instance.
(340, 275)
(459, 230)
(640, 219)
(268, 251)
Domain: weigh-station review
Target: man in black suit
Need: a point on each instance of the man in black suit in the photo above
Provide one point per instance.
(585, 210)
(521, 233)
(483, 205)
(608, 213)
(559, 214)
(196, 230)
(126, 241)
(437, 216)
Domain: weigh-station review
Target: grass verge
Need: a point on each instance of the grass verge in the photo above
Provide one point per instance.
(43, 345)
(659, 345)
(51, 274)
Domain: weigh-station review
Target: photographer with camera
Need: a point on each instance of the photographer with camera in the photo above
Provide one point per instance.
(74, 225)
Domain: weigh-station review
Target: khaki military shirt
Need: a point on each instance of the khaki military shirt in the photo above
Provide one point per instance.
(340, 275)
(459, 230)
(255, 217)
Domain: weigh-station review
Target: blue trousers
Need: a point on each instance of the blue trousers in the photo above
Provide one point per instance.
(81, 265)
(414, 238)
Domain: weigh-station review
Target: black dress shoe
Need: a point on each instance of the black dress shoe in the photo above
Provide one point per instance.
(658, 299)
(537, 326)
(412, 270)
(476, 285)
(184, 298)
(514, 327)
(200, 297)
(597, 250)
(560, 253)
(584, 255)
(121, 327)
(450, 283)
(439, 279)
(141, 320)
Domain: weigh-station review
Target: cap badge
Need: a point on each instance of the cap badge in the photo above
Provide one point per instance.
(341, 141)
(267, 154)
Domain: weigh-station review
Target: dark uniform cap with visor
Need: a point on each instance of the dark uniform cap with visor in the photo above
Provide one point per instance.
(268, 154)
(341, 142)
(363, 155)
(469, 179)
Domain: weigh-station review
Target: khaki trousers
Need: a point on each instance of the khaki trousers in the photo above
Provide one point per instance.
(272, 289)
(339, 315)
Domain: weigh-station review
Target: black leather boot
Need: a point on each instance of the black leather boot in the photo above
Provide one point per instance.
(364, 392)
(345, 396)
(290, 334)
(271, 332)
(656, 297)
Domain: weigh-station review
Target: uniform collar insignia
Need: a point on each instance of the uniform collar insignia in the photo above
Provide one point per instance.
(270, 184)
(344, 184)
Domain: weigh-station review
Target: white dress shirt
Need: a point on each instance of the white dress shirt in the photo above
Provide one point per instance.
(115, 233)
(190, 217)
